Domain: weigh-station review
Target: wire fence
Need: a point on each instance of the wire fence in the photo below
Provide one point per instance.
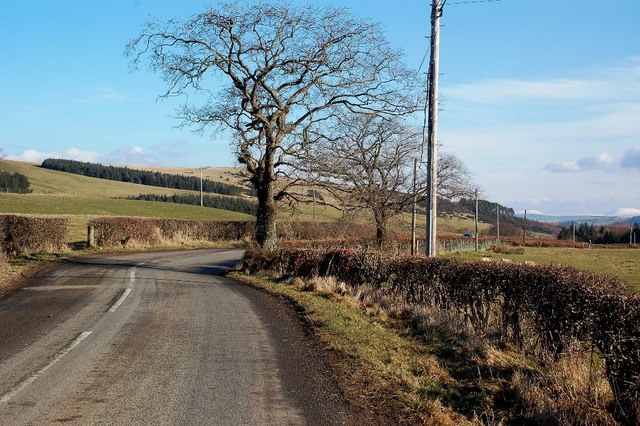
(449, 246)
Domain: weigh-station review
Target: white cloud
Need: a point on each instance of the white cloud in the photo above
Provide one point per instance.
(35, 156)
(619, 82)
(131, 156)
(603, 161)
(625, 212)
(566, 167)
(80, 155)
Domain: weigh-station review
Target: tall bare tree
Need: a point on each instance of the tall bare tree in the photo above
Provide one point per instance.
(285, 69)
(367, 158)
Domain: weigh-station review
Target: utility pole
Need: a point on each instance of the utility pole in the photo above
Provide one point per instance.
(414, 211)
(314, 203)
(432, 88)
(498, 223)
(201, 196)
(524, 227)
(476, 221)
(574, 233)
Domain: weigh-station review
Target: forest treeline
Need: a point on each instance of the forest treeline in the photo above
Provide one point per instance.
(143, 177)
(240, 205)
(588, 233)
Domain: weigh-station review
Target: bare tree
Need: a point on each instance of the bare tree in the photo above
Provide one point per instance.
(454, 179)
(368, 158)
(285, 68)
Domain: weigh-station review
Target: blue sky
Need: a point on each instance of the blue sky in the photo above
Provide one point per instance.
(540, 99)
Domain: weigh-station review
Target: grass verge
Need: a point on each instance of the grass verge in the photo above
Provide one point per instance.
(386, 367)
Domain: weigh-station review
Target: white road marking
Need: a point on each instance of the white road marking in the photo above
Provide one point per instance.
(7, 397)
(132, 280)
(120, 300)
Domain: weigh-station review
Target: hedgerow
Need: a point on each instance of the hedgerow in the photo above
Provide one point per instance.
(114, 231)
(21, 234)
(541, 309)
(235, 204)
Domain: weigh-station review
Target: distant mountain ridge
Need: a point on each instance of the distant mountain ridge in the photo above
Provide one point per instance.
(565, 220)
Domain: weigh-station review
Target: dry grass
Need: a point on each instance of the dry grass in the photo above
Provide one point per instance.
(382, 368)
(570, 391)
(443, 372)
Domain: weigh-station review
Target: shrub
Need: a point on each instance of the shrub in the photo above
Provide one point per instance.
(21, 234)
(114, 231)
(235, 204)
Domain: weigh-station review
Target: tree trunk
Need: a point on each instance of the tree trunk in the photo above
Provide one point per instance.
(266, 236)
(381, 229)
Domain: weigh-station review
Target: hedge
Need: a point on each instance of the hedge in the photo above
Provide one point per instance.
(539, 308)
(21, 234)
(113, 231)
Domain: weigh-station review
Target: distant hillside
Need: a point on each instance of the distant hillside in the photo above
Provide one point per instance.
(510, 223)
(143, 177)
(567, 220)
(630, 221)
(61, 193)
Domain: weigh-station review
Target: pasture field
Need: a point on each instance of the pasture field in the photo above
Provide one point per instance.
(59, 193)
(70, 205)
(53, 182)
(619, 262)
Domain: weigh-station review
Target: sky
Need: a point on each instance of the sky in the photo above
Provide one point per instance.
(540, 99)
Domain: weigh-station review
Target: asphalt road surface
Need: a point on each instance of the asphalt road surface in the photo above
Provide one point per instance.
(153, 339)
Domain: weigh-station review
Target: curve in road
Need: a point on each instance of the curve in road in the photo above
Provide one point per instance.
(158, 338)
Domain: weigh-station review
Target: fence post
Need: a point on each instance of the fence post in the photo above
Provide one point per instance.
(91, 236)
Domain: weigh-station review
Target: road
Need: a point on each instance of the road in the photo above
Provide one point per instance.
(157, 338)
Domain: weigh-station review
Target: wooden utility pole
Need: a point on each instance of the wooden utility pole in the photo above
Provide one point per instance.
(476, 222)
(414, 212)
(432, 141)
(498, 223)
(201, 196)
(574, 233)
(524, 227)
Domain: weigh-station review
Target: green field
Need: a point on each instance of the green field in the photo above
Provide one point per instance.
(62, 193)
(52, 182)
(622, 263)
(81, 198)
